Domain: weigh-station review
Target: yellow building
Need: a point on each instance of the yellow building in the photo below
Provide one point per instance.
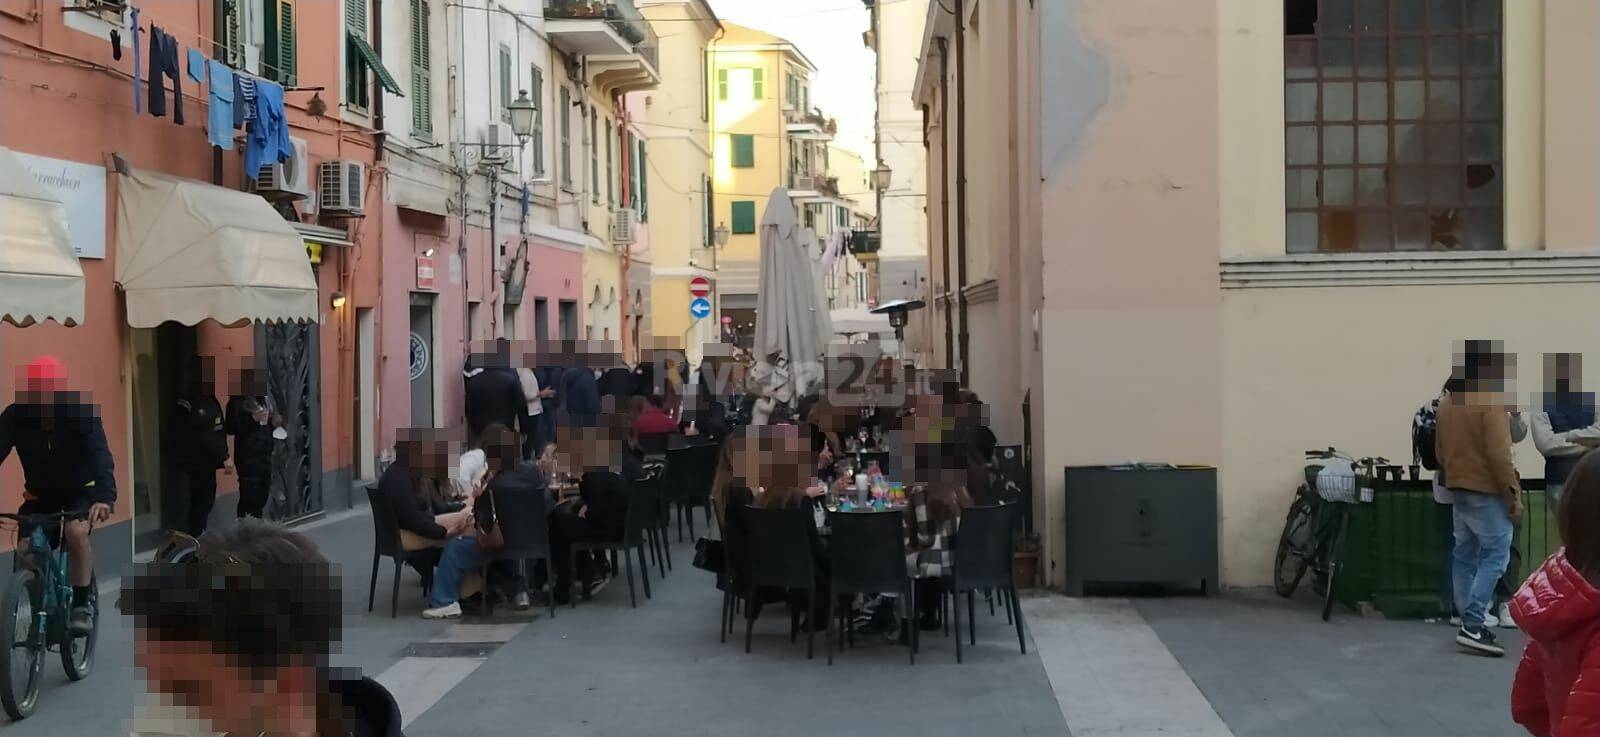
(675, 117)
(765, 134)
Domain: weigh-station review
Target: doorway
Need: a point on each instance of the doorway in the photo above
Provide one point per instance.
(541, 320)
(163, 358)
(422, 360)
(288, 353)
(569, 319)
(366, 394)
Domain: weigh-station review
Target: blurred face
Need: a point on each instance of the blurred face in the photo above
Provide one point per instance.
(214, 685)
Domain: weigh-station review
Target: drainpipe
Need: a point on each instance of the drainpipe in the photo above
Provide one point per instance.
(377, 98)
(961, 182)
(944, 196)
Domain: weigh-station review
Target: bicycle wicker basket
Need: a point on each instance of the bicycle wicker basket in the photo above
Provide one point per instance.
(1339, 488)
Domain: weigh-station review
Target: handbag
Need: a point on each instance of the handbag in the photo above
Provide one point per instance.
(489, 535)
(710, 555)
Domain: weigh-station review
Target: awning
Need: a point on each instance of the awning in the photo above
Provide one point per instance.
(40, 278)
(187, 251)
(323, 234)
(370, 57)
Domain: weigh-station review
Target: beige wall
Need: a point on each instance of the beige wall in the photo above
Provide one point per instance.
(1572, 117)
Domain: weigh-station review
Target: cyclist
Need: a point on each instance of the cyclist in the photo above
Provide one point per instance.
(66, 465)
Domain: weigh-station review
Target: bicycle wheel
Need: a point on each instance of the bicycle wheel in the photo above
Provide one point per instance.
(1290, 564)
(22, 660)
(1335, 556)
(77, 652)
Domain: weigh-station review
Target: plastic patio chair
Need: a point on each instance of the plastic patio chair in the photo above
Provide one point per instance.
(982, 548)
(386, 544)
(523, 518)
(779, 554)
(633, 541)
(867, 553)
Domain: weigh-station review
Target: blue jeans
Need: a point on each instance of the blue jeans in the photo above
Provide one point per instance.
(1483, 548)
(460, 555)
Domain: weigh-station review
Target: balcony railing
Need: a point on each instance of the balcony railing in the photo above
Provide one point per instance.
(824, 185)
(621, 15)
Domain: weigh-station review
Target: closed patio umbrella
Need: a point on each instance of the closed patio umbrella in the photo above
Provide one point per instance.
(792, 322)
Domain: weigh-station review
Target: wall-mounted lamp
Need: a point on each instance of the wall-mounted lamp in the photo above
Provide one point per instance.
(338, 300)
(428, 253)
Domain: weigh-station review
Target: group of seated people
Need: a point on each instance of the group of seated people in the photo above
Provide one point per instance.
(441, 497)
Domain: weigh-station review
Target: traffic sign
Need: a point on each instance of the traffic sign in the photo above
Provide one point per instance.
(727, 320)
(699, 286)
(700, 308)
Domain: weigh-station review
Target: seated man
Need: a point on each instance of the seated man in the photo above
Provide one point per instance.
(235, 630)
(592, 447)
(506, 475)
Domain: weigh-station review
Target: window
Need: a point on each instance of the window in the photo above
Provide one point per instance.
(743, 149)
(356, 85)
(421, 77)
(630, 155)
(644, 187)
(842, 218)
(707, 214)
(228, 34)
(744, 216)
(279, 51)
(565, 112)
(594, 157)
(791, 87)
(705, 89)
(758, 89)
(536, 89)
(541, 319)
(722, 84)
(505, 83)
(611, 166)
(1392, 114)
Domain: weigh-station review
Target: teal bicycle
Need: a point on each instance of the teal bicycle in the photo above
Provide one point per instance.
(34, 610)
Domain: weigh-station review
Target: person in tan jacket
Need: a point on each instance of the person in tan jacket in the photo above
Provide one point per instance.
(1474, 450)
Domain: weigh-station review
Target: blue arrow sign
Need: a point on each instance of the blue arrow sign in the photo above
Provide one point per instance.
(700, 308)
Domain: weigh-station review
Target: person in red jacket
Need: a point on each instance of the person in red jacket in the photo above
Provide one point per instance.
(1557, 689)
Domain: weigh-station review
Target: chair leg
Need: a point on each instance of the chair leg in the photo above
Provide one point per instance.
(722, 624)
(957, 610)
(572, 579)
(688, 511)
(989, 595)
(972, 619)
(680, 523)
(1007, 601)
(749, 618)
(372, 585)
(666, 545)
(827, 637)
(627, 562)
(550, 585)
(911, 619)
(1016, 607)
(944, 610)
(794, 625)
(811, 624)
(644, 569)
(394, 592)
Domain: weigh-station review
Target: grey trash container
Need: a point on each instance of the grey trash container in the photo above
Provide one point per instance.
(1144, 523)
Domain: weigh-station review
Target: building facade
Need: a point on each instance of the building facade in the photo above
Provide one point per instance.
(1253, 243)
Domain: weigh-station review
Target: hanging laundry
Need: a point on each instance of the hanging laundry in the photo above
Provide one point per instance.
(116, 44)
(197, 66)
(244, 99)
(267, 140)
(219, 118)
(133, 25)
(164, 64)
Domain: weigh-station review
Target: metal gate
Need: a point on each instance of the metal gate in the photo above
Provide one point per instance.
(288, 352)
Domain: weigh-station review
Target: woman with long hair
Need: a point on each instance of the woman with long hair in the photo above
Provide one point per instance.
(501, 451)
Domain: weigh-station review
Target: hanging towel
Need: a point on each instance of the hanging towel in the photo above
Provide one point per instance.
(244, 99)
(116, 44)
(197, 66)
(219, 118)
(164, 64)
(133, 26)
(268, 139)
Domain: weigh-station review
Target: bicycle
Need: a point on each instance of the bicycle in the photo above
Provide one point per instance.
(34, 610)
(1314, 533)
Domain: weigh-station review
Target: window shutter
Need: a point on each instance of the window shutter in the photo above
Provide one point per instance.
(505, 82)
(355, 17)
(538, 120)
(227, 47)
(644, 187)
(611, 165)
(744, 149)
(758, 90)
(288, 43)
(566, 135)
(421, 78)
(744, 216)
(722, 84)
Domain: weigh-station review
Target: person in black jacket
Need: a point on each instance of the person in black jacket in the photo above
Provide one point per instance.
(493, 390)
(197, 444)
(66, 467)
(251, 422)
(594, 447)
(239, 627)
(407, 489)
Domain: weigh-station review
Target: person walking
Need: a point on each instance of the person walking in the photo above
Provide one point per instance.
(1474, 451)
(1556, 692)
(197, 444)
(251, 422)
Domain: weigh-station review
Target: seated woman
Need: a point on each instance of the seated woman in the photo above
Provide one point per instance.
(409, 489)
(505, 475)
(592, 447)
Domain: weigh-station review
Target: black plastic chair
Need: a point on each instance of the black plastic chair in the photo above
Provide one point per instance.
(654, 443)
(690, 472)
(779, 554)
(386, 544)
(633, 522)
(982, 547)
(524, 523)
(653, 521)
(867, 554)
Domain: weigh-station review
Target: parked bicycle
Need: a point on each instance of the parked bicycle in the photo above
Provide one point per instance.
(1314, 532)
(34, 611)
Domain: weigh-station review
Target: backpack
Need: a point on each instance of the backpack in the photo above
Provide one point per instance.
(1424, 433)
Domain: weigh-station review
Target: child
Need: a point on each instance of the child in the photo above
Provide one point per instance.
(1557, 688)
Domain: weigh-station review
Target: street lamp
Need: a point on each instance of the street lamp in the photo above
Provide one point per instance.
(721, 234)
(880, 177)
(523, 112)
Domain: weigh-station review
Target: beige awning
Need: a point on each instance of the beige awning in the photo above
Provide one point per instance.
(187, 251)
(40, 278)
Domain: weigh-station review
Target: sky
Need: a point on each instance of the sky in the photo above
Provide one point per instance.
(828, 32)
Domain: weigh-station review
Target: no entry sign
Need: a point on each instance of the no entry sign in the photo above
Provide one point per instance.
(699, 286)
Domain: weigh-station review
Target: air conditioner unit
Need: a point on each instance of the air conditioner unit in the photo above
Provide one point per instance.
(290, 180)
(498, 142)
(805, 183)
(622, 226)
(341, 186)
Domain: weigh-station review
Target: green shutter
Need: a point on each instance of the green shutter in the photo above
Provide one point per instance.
(630, 155)
(227, 47)
(644, 186)
(365, 55)
(538, 120)
(505, 81)
(744, 149)
(744, 216)
(566, 135)
(594, 157)
(421, 77)
(758, 87)
(278, 54)
(611, 166)
(722, 84)
(355, 17)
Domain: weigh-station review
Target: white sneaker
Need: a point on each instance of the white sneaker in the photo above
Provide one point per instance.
(1455, 620)
(448, 611)
(1490, 620)
(1506, 622)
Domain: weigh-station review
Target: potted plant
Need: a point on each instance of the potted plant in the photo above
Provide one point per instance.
(1025, 560)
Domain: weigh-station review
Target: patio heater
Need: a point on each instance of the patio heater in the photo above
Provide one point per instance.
(898, 312)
